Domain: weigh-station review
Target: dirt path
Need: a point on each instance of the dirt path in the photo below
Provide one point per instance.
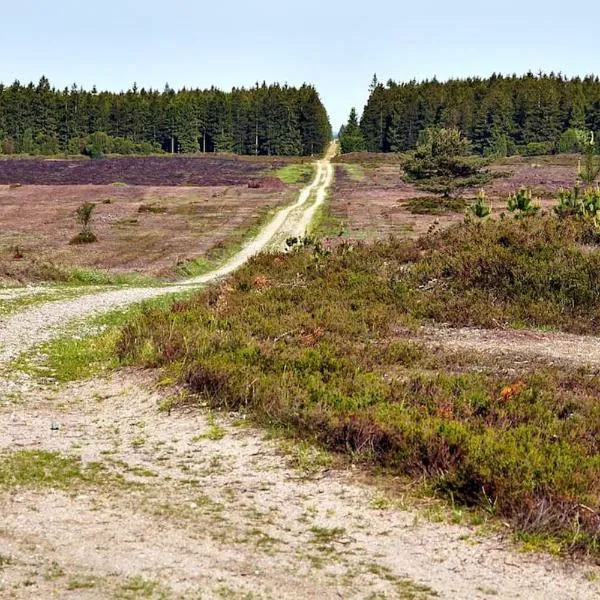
(210, 509)
(550, 347)
(303, 218)
(25, 329)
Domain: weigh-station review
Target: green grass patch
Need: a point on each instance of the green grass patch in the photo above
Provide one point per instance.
(324, 345)
(355, 172)
(40, 468)
(88, 348)
(34, 270)
(296, 173)
(87, 276)
(325, 224)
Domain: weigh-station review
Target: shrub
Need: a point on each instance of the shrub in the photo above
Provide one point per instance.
(84, 237)
(8, 146)
(521, 203)
(526, 272)
(84, 218)
(442, 162)
(435, 205)
(98, 144)
(152, 208)
(572, 141)
(77, 146)
(537, 149)
(47, 144)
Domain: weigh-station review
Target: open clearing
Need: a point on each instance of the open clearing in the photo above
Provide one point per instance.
(140, 229)
(144, 501)
(370, 201)
(153, 215)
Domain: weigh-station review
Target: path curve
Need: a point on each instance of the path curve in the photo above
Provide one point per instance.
(28, 328)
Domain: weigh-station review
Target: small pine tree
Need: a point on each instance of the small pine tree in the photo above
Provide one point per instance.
(482, 207)
(442, 162)
(352, 139)
(591, 166)
(84, 218)
(521, 204)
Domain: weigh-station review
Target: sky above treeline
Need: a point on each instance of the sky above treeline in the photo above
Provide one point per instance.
(337, 46)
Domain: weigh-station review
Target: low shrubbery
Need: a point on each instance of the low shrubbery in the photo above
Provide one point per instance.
(435, 205)
(309, 342)
(98, 144)
(537, 272)
(536, 149)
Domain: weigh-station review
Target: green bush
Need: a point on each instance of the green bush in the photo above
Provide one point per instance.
(537, 149)
(98, 144)
(572, 141)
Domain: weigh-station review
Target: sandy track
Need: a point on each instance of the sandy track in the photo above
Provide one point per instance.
(550, 347)
(229, 517)
(28, 328)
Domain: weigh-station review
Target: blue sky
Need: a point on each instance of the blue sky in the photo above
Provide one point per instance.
(335, 45)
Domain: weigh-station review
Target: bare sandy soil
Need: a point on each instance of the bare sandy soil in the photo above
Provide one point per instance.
(210, 508)
(142, 229)
(551, 347)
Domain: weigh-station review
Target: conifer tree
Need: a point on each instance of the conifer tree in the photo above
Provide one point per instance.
(352, 139)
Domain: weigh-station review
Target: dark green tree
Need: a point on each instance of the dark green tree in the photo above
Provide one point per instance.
(352, 139)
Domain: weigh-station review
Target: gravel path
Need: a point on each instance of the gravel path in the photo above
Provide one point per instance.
(551, 347)
(211, 509)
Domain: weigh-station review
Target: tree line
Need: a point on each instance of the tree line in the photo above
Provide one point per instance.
(263, 120)
(500, 115)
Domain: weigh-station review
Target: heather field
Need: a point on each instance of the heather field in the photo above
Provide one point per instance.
(147, 170)
(158, 217)
(370, 200)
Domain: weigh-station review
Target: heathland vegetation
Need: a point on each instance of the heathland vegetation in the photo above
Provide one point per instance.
(500, 115)
(264, 120)
(328, 342)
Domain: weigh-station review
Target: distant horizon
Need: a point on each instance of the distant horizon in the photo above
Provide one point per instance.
(335, 46)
